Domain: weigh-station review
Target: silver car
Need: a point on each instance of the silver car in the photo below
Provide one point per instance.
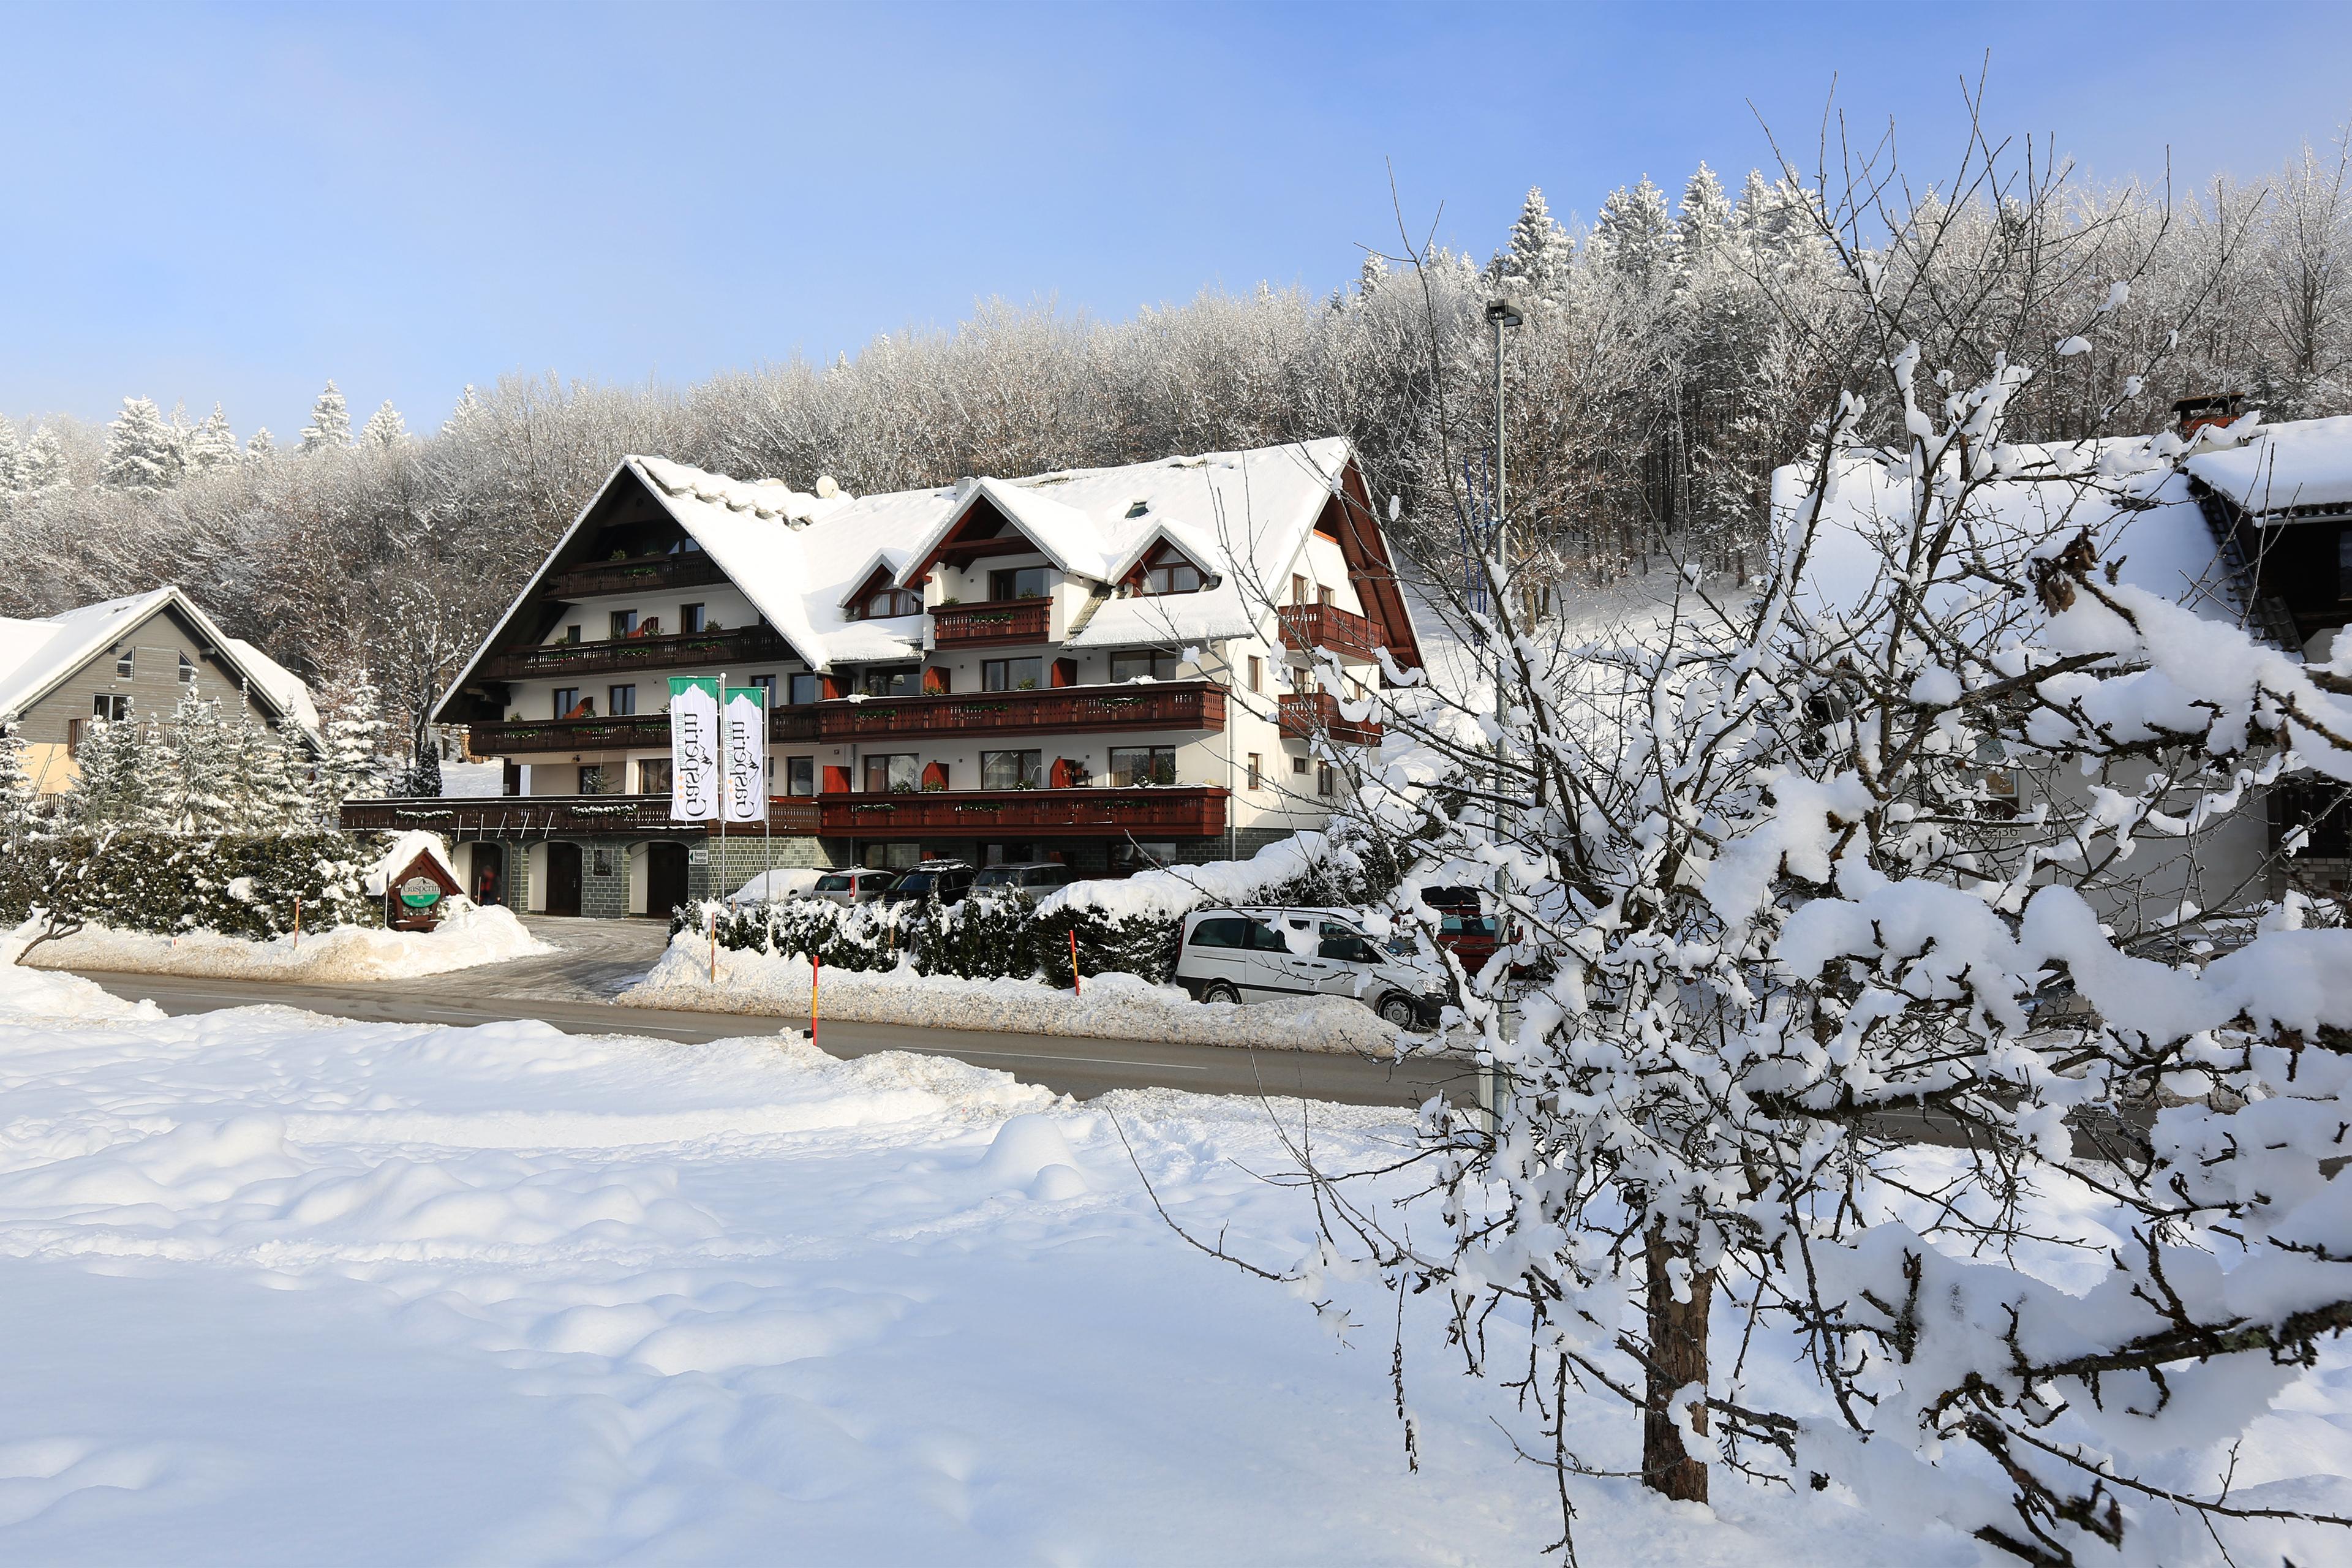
(860, 885)
(1024, 882)
(1259, 955)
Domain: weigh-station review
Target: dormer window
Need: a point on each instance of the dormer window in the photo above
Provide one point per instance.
(886, 603)
(1165, 571)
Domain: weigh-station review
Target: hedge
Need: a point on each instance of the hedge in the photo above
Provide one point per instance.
(241, 885)
(978, 939)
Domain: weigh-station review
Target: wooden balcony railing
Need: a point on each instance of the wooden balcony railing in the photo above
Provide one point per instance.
(1306, 627)
(735, 646)
(509, 737)
(687, 569)
(1005, 621)
(1182, 812)
(555, 816)
(1312, 712)
(1170, 705)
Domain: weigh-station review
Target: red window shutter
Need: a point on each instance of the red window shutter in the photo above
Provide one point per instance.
(1066, 672)
(837, 780)
(939, 681)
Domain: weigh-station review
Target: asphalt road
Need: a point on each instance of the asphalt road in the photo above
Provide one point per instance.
(1069, 1064)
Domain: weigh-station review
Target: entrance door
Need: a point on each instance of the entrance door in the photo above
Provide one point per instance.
(664, 878)
(564, 878)
(490, 873)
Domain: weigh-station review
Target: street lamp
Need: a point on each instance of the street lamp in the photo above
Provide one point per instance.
(1502, 311)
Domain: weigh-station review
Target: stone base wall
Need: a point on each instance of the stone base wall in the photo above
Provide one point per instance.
(727, 867)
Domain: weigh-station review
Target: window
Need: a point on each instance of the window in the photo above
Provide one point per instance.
(1346, 946)
(654, 776)
(188, 670)
(1298, 765)
(1172, 574)
(2344, 564)
(1323, 595)
(1298, 589)
(1257, 771)
(75, 727)
(592, 778)
(122, 664)
(1010, 770)
(1012, 674)
(898, 773)
(888, 602)
(1326, 781)
(693, 617)
(625, 623)
(1142, 765)
(620, 701)
(1018, 582)
(1226, 930)
(1256, 673)
(1143, 664)
(113, 707)
(767, 685)
(567, 697)
(803, 690)
(799, 775)
(903, 681)
(574, 634)
(894, 857)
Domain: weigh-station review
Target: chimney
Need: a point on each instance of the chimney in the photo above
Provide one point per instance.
(2212, 408)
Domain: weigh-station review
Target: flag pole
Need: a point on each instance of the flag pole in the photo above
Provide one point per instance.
(726, 787)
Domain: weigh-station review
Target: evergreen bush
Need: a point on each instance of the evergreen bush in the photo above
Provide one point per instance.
(241, 885)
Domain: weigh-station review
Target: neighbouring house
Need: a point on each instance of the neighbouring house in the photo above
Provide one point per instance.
(131, 658)
(1108, 667)
(2259, 535)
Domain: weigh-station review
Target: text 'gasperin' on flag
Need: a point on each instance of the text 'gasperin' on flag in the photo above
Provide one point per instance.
(695, 749)
(746, 763)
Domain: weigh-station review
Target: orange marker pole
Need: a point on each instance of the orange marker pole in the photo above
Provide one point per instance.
(714, 946)
(298, 922)
(815, 963)
(1075, 989)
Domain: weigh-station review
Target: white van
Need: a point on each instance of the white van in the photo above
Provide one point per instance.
(1258, 954)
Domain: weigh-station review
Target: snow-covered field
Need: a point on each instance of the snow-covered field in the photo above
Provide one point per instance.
(1110, 1007)
(282, 1288)
(470, 935)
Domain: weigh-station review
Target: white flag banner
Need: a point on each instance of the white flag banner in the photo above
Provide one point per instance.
(747, 753)
(694, 749)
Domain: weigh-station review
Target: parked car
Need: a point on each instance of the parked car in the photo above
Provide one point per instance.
(859, 885)
(942, 881)
(790, 882)
(1472, 937)
(1258, 954)
(1026, 882)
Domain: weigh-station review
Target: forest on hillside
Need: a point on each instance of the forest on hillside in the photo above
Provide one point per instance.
(1675, 352)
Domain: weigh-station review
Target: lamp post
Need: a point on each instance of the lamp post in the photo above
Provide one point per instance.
(1502, 312)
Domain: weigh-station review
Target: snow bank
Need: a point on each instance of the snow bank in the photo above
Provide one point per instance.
(405, 849)
(28, 993)
(770, 886)
(470, 935)
(1112, 1006)
(1176, 890)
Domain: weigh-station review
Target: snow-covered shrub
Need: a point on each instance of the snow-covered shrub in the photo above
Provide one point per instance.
(242, 885)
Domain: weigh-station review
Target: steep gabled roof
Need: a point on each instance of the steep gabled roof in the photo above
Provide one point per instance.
(35, 655)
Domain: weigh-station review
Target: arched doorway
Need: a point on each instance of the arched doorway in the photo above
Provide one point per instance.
(666, 878)
(564, 878)
(488, 881)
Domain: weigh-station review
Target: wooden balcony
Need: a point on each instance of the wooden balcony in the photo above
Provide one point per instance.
(1158, 705)
(734, 647)
(1307, 626)
(1177, 812)
(687, 569)
(557, 815)
(1000, 621)
(1318, 713)
(512, 737)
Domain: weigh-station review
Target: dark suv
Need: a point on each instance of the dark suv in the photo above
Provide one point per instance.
(1026, 882)
(939, 881)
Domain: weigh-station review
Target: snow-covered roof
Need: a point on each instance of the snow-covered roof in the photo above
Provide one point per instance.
(2301, 463)
(36, 654)
(1244, 517)
(2149, 523)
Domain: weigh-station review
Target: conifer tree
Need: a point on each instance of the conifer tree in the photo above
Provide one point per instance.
(331, 423)
(45, 468)
(1374, 274)
(143, 452)
(19, 796)
(1706, 222)
(469, 409)
(1537, 259)
(12, 458)
(193, 765)
(212, 444)
(384, 429)
(1635, 234)
(355, 725)
(111, 785)
(262, 447)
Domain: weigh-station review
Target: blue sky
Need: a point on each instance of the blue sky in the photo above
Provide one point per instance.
(236, 203)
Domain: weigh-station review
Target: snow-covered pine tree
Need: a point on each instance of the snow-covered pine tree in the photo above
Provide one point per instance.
(1635, 234)
(194, 768)
(19, 794)
(45, 464)
(261, 447)
(1373, 274)
(111, 784)
(1540, 257)
(331, 423)
(385, 429)
(212, 444)
(1705, 222)
(143, 450)
(469, 409)
(12, 458)
(292, 782)
(355, 726)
